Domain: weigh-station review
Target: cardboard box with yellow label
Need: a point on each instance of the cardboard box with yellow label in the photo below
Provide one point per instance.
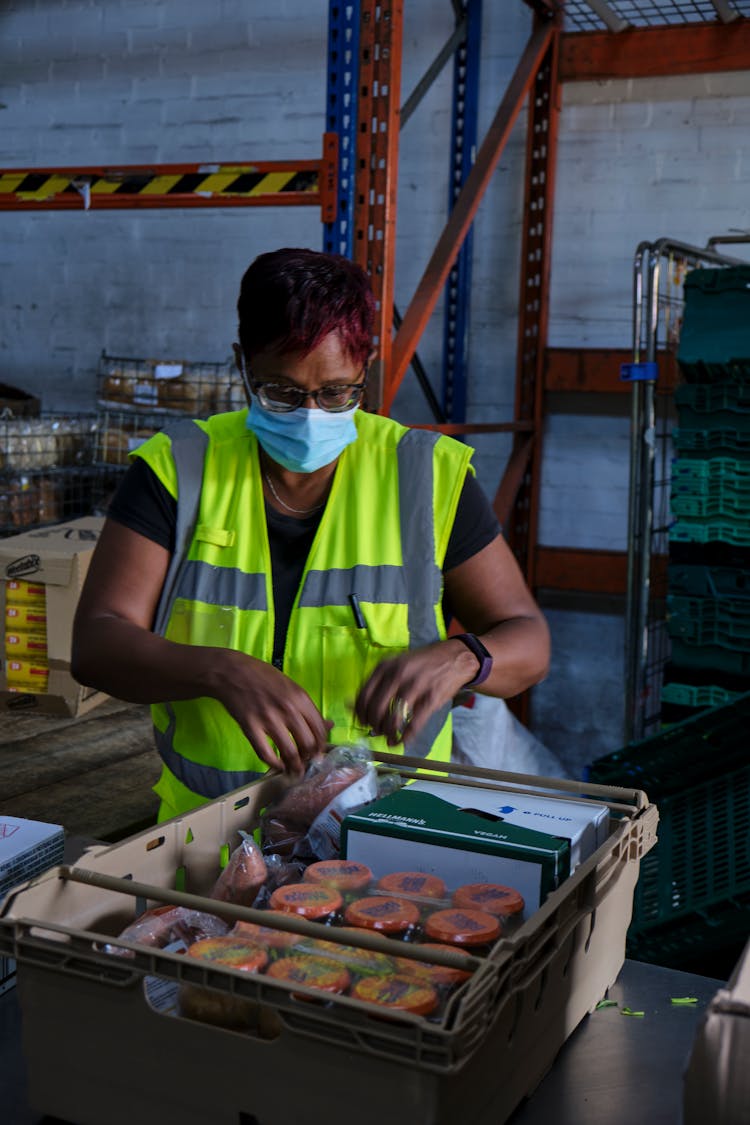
(41, 576)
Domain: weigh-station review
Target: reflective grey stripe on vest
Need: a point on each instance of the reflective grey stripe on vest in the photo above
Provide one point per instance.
(423, 577)
(221, 585)
(189, 445)
(208, 781)
(370, 583)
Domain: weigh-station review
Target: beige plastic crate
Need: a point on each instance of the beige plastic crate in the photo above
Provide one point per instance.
(96, 1049)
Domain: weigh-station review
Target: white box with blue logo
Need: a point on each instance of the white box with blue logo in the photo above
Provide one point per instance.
(584, 823)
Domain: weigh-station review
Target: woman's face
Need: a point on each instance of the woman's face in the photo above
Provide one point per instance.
(326, 366)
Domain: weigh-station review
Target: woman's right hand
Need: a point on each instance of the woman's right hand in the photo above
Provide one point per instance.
(270, 709)
(115, 651)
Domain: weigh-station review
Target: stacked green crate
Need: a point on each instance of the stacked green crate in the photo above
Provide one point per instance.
(708, 601)
(692, 903)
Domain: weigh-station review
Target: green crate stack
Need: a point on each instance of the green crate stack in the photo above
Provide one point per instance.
(715, 334)
(708, 618)
(692, 903)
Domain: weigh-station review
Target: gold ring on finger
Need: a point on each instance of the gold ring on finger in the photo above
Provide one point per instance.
(402, 710)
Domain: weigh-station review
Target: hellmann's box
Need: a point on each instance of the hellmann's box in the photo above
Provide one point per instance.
(41, 576)
(415, 830)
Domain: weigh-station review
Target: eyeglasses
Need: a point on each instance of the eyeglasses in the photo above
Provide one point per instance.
(281, 398)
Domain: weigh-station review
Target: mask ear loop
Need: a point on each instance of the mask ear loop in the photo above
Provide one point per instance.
(239, 362)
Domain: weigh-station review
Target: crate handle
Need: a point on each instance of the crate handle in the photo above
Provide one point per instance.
(290, 923)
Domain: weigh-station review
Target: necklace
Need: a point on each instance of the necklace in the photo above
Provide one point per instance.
(289, 508)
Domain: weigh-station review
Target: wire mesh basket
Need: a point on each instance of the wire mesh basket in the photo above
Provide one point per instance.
(47, 471)
(169, 386)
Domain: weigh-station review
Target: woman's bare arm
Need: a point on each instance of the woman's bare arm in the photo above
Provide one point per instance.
(114, 650)
(490, 598)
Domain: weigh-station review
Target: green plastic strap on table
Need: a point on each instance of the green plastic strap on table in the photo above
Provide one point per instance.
(630, 1012)
(684, 1001)
(605, 1004)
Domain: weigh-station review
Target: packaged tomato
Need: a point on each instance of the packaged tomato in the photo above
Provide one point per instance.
(473, 928)
(359, 962)
(315, 972)
(314, 901)
(224, 1009)
(265, 936)
(439, 975)
(494, 898)
(398, 992)
(396, 917)
(343, 874)
(233, 952)
(412, 883)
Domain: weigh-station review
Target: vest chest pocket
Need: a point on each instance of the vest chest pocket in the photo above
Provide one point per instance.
(348, 657)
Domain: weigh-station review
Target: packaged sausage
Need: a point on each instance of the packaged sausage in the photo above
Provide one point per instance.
(243, 876)
(306, 820)
(165, 925)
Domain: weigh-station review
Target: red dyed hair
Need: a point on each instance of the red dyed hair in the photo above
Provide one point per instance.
(291, 299)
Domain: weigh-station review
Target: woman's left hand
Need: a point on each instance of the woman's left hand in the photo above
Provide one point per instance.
(403, 692)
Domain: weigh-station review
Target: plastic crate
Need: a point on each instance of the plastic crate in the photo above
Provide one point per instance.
(701, 862)
(709, 621)
(712, 742)
(92, 1039)
(719, 487)
(687, 530)
(716, 406)
(715, 332)
(711, 442)
(699, 696)
(693, 896)
(708, 581)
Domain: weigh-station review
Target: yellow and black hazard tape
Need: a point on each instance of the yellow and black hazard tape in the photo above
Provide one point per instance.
(222, 180)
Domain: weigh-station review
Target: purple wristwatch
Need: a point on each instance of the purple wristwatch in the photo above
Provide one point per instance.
(483, 656)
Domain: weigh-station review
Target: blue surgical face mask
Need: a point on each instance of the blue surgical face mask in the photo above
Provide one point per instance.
(302, 440)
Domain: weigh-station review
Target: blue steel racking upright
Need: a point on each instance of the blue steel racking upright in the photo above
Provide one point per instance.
(341, 118)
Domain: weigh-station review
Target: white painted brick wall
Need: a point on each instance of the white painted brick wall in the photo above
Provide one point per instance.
(133, 81)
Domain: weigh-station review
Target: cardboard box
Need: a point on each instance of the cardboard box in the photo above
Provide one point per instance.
(27, 847)
(57, 558)
(717, 1079)
(92, 1039)
(583, 823)
(418, 831)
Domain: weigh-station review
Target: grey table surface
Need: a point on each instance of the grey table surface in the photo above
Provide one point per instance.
(613, 1069)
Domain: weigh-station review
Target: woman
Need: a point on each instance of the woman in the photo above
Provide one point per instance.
(273, 580)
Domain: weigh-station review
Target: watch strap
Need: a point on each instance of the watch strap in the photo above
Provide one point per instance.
(483, 656)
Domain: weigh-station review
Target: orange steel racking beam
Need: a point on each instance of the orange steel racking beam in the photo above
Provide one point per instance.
(376, 172)
(280, 183)
(647, 52)
(431, 285)
(541, 153)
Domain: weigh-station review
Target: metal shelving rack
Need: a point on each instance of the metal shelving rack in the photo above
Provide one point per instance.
(659, 271)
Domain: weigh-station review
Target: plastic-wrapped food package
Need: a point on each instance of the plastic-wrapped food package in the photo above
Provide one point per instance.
(307, 818)
(164, 925)
(243, 876)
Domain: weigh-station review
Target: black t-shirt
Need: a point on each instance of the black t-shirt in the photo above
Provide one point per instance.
(143, 504)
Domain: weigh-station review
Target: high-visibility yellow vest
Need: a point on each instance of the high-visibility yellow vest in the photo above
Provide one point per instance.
(382, 537)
